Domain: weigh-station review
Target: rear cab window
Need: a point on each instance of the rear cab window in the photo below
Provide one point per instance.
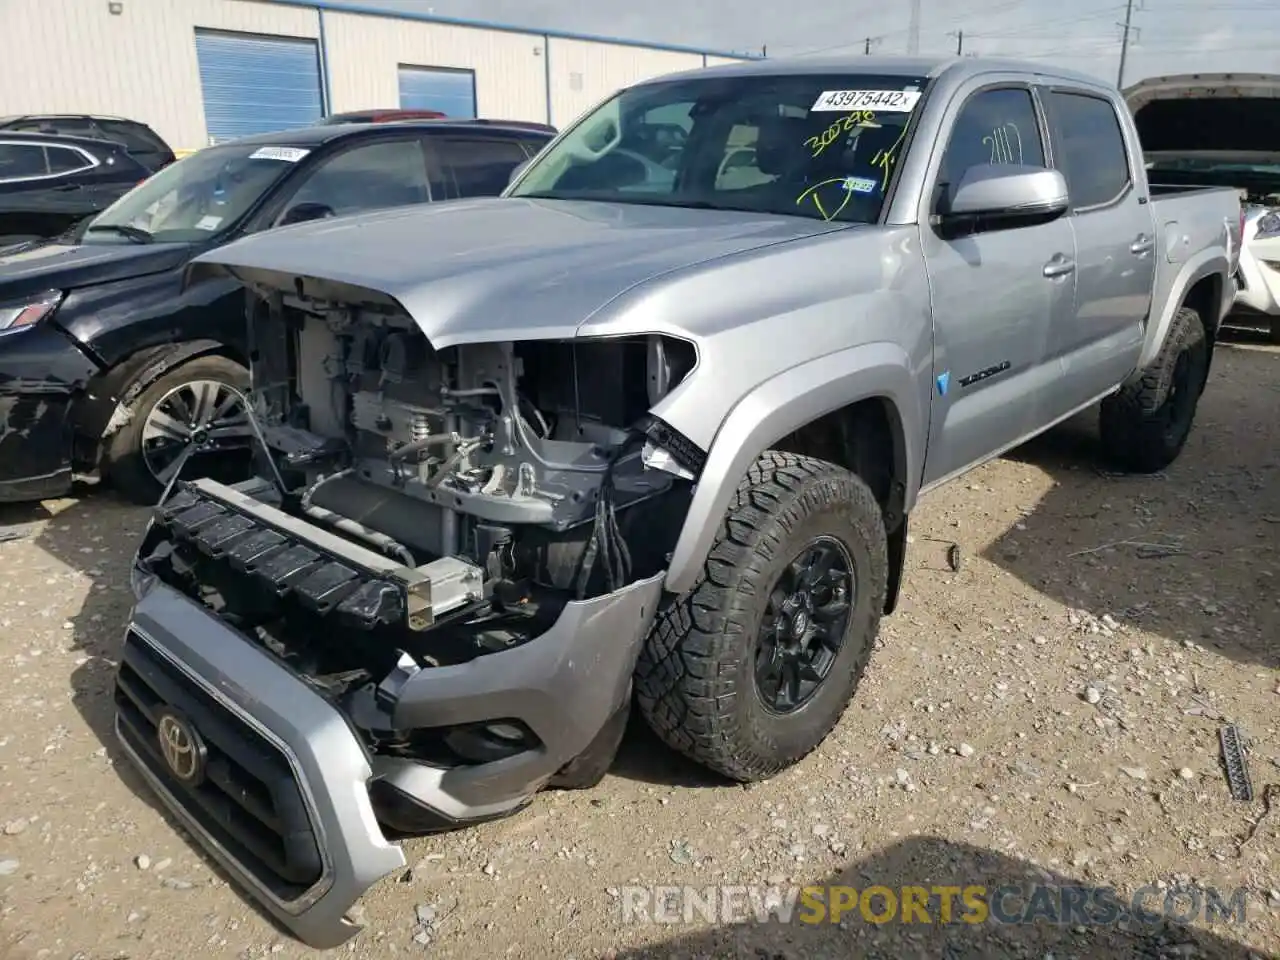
(1089, 147)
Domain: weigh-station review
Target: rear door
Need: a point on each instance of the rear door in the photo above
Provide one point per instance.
(1115, 248)
(996, 293)
(472, 166)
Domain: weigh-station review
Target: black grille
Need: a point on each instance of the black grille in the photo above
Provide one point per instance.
(249, 800)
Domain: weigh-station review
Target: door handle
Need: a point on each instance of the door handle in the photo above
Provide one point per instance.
(1059, 266)
(1142, 246)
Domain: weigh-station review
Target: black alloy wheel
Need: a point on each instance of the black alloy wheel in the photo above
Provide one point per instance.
(804, 625)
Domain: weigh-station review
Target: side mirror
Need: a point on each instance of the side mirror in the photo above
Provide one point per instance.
(302, 212)
(1009, 193)
(518, 169)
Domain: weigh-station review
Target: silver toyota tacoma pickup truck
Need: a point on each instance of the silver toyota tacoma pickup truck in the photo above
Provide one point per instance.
(647, 428)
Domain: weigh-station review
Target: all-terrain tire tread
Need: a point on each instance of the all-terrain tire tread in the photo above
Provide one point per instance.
(1133, 437)
(685, 678)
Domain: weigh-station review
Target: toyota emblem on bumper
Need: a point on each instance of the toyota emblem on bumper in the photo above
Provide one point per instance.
(182, 748)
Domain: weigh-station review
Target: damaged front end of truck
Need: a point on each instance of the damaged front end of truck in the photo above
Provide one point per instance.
(424, 607)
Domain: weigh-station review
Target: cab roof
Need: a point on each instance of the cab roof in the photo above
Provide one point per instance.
(954, 68)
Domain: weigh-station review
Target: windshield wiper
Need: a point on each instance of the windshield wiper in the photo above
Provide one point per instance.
(136, 234)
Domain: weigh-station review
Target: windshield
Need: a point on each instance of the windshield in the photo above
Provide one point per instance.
(820, 146)
(199, 195)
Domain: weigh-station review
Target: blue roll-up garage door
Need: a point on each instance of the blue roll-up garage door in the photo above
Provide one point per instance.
(253, 84)
(452, 92)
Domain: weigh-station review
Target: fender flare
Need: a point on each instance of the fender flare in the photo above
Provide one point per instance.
(1206, 264)
(109, 397)
(776, 408)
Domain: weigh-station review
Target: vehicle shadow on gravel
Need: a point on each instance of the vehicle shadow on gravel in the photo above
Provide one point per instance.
(932, 862)
(1193, 553)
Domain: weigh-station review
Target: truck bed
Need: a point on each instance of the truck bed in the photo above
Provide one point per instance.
(1190, 219)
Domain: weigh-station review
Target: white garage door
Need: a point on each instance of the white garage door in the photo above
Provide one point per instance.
(253, 84)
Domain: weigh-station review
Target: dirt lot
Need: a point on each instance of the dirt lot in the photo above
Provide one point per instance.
(1048, 712)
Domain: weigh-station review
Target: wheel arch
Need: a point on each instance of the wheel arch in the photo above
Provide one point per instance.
(1205, 297)
(107, 401)
(858, 408)
(1199, 282)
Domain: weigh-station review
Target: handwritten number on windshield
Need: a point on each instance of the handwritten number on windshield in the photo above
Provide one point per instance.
(859, 118)
(884, 159)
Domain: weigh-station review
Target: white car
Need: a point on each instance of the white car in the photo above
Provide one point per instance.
(1228, 145)
(1258, 279)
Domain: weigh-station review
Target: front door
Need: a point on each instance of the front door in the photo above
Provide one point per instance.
(996, 296)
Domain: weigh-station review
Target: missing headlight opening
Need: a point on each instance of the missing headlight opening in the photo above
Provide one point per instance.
(423, 508)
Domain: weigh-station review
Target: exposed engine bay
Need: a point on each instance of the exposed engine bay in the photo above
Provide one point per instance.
(420, 507)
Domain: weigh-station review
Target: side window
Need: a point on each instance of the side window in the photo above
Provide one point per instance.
(65, 160)
(18, 160)
(390, 173)
(1090, 148)
(479, 167)
(994, 127)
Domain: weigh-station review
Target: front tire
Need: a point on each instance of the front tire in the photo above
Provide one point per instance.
(199, 402)
(1146, 424)
(740, 675)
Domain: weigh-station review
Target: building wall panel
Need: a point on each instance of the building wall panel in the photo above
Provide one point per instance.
(585, 72)
(142, 63)
(365, 53)
(139, 64)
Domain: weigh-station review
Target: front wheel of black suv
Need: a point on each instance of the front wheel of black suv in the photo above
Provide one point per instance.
(192, 420)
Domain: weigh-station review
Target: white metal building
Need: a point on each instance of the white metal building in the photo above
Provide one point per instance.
(200, 71)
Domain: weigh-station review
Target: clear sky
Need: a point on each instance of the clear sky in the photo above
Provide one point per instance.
(1171, 36)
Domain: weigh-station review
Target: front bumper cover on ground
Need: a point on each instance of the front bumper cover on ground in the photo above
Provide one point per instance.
(311, 844)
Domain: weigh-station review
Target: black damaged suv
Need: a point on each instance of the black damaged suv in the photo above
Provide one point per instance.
(109, 367)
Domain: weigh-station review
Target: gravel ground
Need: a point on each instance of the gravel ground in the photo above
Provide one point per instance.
(1049, 711)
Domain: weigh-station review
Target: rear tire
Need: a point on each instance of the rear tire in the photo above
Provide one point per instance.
(703, 680)
(1145, 426)
(124, 462)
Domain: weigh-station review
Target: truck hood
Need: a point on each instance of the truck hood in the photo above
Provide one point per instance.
(1216, 116)
(35, 268)
(495, 268)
